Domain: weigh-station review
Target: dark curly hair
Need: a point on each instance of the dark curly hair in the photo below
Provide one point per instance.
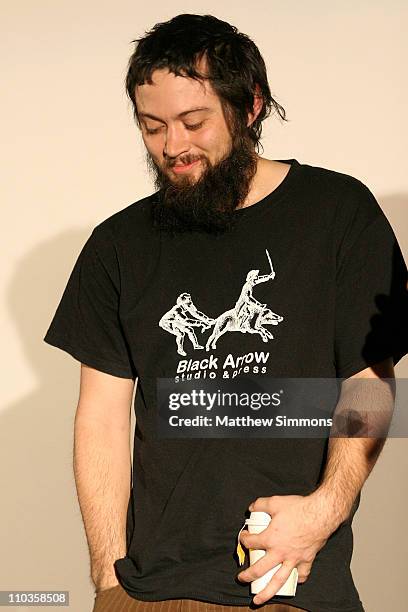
(235, 66)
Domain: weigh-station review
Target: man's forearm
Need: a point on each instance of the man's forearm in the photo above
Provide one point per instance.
(102, 476)
(363, 401)
(349, 463)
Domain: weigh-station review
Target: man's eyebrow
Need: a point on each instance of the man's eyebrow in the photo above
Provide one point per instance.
(183, 114)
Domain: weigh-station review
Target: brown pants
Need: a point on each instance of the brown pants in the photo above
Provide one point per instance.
(116, 599)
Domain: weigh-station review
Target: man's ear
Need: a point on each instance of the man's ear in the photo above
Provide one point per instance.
(257, 106)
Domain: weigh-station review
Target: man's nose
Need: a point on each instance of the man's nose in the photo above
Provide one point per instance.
(176, 142)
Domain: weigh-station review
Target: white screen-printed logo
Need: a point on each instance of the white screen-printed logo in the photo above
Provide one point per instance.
(247, 316)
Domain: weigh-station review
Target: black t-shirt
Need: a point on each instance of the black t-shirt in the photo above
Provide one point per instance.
(340, 293)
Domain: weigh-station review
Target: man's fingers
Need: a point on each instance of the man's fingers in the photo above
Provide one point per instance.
(304, 570)
(302, 578)
(277, 581)
(260, 567)
(256, 541)
(268, 562)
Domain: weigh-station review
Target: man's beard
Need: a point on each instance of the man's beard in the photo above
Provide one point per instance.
(208, 203)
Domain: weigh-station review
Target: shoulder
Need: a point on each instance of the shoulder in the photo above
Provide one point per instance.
(128, 229)
(135, 216)
(129, 223)
(349, 195)
(346, 209)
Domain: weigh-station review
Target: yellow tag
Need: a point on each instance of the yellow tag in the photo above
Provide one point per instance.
(240, 550)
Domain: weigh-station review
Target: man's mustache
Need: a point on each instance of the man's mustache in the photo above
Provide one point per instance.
(182, 162)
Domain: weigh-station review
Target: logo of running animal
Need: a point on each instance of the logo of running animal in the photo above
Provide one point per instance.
(247, 316)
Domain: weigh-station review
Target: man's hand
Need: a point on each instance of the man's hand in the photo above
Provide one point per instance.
(300, 527)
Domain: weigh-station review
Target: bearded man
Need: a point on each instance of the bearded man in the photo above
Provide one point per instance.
(165, 538)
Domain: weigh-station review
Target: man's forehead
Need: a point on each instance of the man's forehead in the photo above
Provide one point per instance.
(175, 95)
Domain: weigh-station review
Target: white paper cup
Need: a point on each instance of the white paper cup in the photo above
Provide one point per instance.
(257, 522)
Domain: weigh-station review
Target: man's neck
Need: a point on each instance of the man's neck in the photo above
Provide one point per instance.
(268, 177)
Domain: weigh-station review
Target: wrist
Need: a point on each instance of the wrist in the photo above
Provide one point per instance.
(333, 510)
(105, 582)
(103, 586)
(104, 577)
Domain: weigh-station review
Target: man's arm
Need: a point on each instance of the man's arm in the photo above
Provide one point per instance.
(350, 460)
(302, 524)
(102, 468)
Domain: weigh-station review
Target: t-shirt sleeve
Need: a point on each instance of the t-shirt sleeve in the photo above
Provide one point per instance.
(86, 323)
(371, 320)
